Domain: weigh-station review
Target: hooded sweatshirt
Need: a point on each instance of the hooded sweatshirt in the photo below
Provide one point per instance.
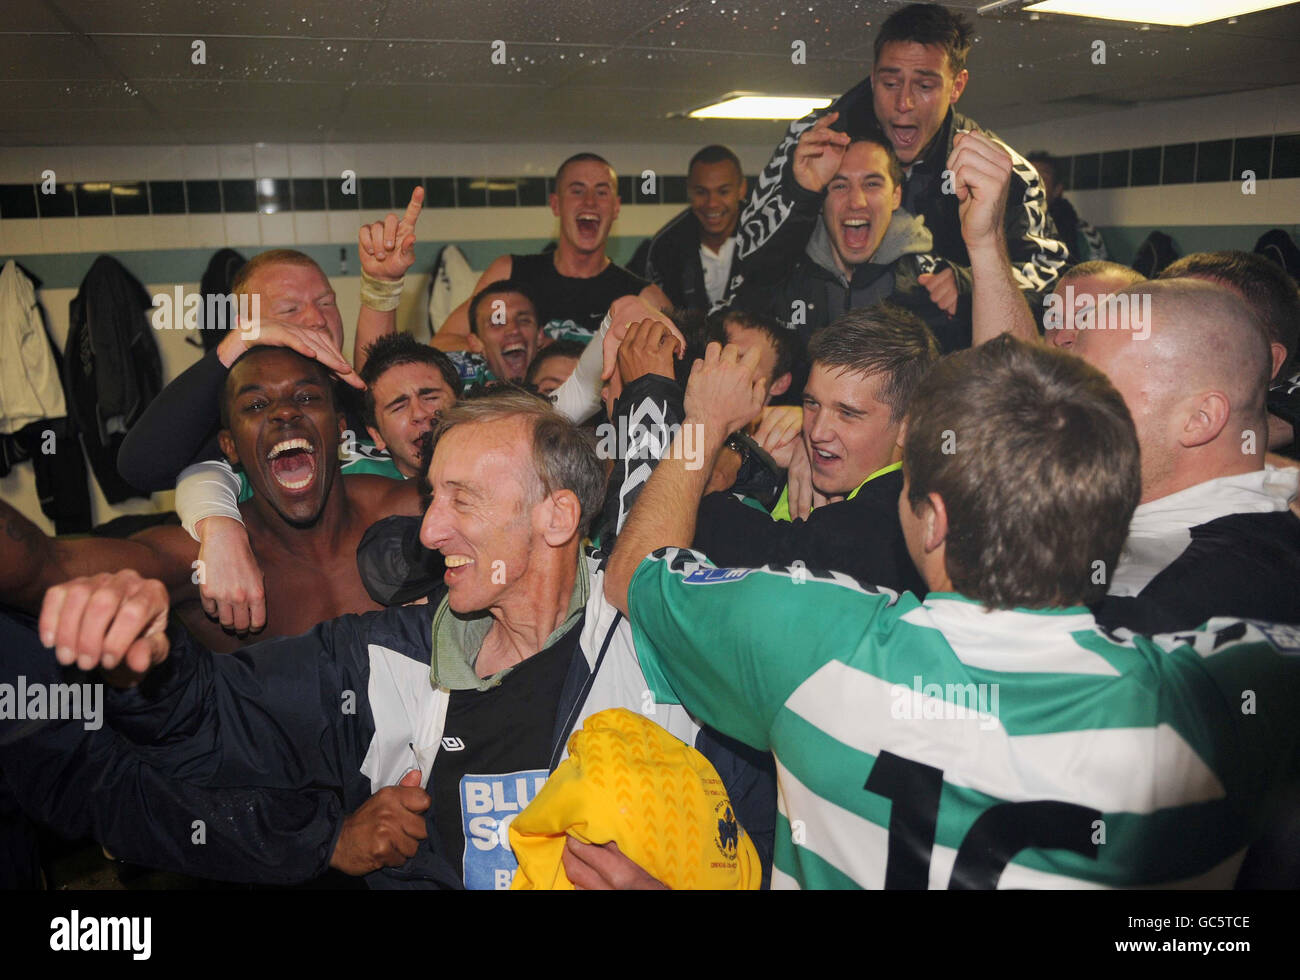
(796, 280)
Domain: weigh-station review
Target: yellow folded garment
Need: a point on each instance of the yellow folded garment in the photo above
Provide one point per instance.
(628, 780)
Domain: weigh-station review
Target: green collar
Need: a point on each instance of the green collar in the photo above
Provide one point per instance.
(781, 512)
(458, 639)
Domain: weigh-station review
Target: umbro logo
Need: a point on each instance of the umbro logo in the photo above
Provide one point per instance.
(452, 744)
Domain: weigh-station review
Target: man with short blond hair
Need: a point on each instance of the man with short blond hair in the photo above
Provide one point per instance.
(1213, 534)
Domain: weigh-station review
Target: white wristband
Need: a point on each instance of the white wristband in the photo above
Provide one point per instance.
(207, 489)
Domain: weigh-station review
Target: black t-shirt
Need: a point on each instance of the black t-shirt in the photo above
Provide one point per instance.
(495, 756)
(572, 309)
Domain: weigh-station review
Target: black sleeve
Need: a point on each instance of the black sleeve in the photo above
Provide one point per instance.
(178, 428)
(80, 778)
(649, 410)
(289, 713)
(1244, 565)
(851, 536)
(768, 264)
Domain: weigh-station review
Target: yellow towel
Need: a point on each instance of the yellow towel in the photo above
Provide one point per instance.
(628, 780)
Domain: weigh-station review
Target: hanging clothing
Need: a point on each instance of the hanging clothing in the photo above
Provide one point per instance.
(29, 378)
(112, 369)
(217, 280)
(33, 407)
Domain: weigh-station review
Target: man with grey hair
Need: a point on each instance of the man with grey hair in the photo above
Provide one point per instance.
(1213, 534)
(435, 724)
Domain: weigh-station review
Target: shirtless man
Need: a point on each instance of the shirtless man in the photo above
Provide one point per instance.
(280, 422)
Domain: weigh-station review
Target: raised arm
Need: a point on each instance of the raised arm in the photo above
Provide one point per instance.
(723, 395)
(454, 332)
(387, 250)
(982, 171)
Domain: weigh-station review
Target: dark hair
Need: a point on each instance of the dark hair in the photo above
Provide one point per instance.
(1269, 291)
(558, 348)
(564, 456)
(882, 339)
(393, 349)
(498, 288)
(228, 391)
(1036, 459)
(583, 158)
(715, 153)
(1041, 158)
(879, 139)
(276, 256)
(784, 342)
(929, 24)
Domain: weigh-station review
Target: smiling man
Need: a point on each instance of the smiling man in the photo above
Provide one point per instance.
(574, 285)
(865, 367)
(281, 426)
(861, 247)
(459, 709)
(693, 257)
(506, 332)
(918, 75)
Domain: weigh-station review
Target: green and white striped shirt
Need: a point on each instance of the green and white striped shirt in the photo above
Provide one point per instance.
(941, 744)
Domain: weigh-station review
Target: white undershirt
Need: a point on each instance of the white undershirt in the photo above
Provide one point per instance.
(717, 266)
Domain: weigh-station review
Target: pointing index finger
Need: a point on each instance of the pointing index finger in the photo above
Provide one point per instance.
(415, 207)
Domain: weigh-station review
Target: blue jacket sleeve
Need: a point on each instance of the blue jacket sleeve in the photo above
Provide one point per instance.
(82, 779)
(289, 713)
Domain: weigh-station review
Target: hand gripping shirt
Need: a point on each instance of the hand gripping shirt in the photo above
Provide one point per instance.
(941, 744)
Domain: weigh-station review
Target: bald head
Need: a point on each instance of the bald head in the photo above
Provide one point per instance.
(1193, 363)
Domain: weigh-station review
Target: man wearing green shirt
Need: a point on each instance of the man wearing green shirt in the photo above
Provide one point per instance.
(992, 735)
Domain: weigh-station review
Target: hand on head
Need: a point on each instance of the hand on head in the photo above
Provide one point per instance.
(726, 390)
(313, 342)
(818, 154)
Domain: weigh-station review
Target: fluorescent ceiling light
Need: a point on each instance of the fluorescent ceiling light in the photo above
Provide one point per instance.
(1184, 13)
(761, 107)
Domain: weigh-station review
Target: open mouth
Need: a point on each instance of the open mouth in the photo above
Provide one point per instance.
(857, 233)
(821, 458)
(456, 566)
(515, 358)
(292, 463)
(589, 224)
(905, 136)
